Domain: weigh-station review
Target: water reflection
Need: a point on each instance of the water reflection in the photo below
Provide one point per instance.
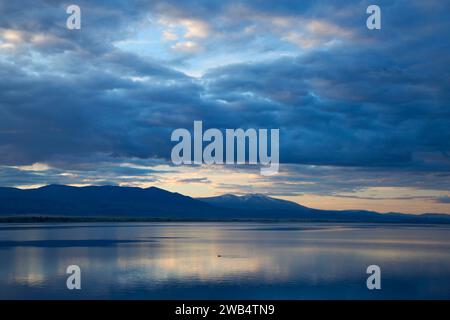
(224, 260)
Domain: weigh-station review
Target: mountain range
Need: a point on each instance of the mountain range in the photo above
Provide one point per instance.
(155, 203)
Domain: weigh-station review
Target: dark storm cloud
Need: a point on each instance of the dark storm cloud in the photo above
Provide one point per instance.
(377, 100)
(368, 113)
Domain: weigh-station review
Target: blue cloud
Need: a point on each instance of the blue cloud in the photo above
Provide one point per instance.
(340, 94)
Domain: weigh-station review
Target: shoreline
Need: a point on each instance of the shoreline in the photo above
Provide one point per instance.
(62, 219)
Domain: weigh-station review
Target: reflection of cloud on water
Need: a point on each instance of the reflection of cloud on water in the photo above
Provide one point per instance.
(28, 267)
(189, 260)
(194, 268)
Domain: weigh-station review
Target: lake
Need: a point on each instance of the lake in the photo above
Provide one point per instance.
(224, 260)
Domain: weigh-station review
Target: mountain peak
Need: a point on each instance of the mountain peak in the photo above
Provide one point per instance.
(254, 201)
(256, 196)
(54, 187)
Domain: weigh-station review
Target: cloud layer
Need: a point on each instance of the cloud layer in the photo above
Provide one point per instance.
(363, 104)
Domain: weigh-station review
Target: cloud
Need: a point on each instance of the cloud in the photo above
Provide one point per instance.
(368, 114)
(186, 46)
(195, 28)
(354, 104)
(445, 199)
(195, 180)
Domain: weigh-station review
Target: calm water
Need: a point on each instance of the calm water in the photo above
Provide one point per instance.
(224, 260)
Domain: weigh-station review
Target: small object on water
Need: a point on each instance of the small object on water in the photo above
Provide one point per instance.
(219, 255)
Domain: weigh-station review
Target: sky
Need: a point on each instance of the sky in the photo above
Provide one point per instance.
(364, 115)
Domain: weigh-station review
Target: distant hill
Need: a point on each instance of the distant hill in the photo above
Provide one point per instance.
(60, 200)
(153, 203)
(270, 207)
(252, 202)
